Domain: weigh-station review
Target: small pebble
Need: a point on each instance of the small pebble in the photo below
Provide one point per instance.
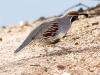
(76, 43)
(65, 73)
(95, 23)
(60, 67)
(0, 39)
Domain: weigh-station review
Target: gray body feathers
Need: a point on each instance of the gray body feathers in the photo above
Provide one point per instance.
(63, 26)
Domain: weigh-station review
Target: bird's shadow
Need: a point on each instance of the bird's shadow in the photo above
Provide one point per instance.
(63, 51)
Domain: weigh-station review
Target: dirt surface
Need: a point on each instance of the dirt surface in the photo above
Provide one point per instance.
(78, 53)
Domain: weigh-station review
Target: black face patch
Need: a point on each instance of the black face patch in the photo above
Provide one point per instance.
(51, 31)
(73, 18)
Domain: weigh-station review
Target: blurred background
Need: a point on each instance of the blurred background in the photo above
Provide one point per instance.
(14, 11)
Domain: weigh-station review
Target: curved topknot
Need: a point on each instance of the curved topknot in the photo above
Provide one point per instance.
(73, 13)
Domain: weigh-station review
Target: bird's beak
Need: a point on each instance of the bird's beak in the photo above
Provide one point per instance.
(84, 14)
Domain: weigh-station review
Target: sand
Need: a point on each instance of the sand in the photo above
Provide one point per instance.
(78, 53)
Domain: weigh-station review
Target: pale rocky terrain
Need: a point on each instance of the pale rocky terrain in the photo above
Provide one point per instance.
(78, 53)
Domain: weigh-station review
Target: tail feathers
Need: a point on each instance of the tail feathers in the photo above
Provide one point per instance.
(25, 43)
(32, 36)
(18, 49)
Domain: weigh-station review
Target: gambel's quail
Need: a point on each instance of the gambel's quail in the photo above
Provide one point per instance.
(51, 31)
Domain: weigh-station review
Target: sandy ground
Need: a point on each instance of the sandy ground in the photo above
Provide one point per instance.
(78, 53)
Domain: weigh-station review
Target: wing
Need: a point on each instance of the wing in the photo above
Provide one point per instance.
(64, 25)
(51, 33)
(35, 33)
